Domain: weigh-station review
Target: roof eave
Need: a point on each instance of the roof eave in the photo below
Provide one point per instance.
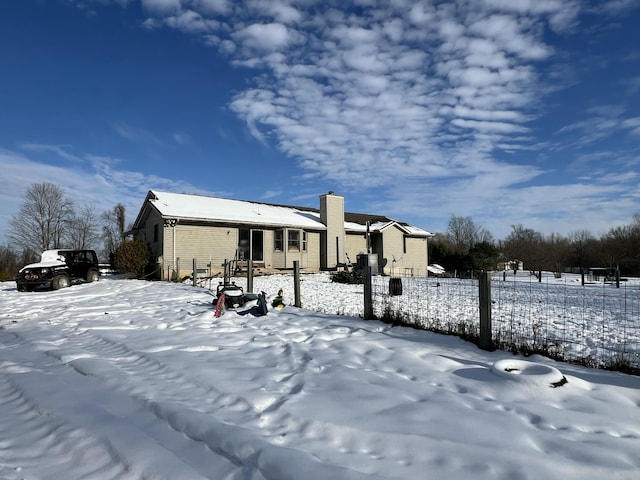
(225, 221)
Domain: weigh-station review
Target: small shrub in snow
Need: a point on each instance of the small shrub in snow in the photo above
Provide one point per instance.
(348, 276)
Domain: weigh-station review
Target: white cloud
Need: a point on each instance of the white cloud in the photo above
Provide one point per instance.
(264, 37)
(600, 122)
(191, 22)
(512, 35)
(214, 7)
(161, 7)
(257, 107)
(58, 150)
(270, 194)
(181, 138)
(422, 14)
(137, 135)
(484, 126)
(404, 91)
(461, 111)
(616, 7)
(352, 37)
(279, 11)
(561, 13)
(490, 199)
(365, 59)
(633, 124)
(19, 172)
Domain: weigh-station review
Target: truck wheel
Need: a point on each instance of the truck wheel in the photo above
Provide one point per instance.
(61, 281)
(92, 276)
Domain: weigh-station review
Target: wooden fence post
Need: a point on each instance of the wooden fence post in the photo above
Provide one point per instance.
(484, 287)
(296, 283)
(368, 292)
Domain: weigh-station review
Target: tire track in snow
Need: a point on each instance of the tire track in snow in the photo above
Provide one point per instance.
(196, 409)
(141, 370)
(141, 377)
(40, 444)
(153, 373)
(55, 412)
(146, 367)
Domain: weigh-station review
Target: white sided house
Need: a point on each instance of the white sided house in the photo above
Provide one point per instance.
(182, 228)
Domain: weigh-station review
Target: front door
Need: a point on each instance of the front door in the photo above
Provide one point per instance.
(257, 245)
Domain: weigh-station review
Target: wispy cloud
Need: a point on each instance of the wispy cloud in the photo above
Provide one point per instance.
(137, 135)
(269, 194)
(19, 171)
(181, 138)
(88, 179)
(616, 7)
(59, 150)
(633, 124)
(600, 122)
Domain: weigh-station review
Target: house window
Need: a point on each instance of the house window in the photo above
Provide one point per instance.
(304, 241)
(404, 244)
(278, 240)
(293, 240)
(243, 243)
(155, 233)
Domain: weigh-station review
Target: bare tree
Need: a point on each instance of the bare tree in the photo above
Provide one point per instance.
(622, 245)
(556, 253)
(581, 241)
(113, 227)
(84, 229)
(524, 244)
(43, 218)
(462, 234)
(484, 236)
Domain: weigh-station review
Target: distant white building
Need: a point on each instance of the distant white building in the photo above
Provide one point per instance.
(511, 265)
(180, 228)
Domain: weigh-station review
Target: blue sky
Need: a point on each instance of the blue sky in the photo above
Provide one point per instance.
(506, 111)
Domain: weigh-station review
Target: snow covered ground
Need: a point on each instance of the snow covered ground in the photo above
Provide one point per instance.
(138, 380)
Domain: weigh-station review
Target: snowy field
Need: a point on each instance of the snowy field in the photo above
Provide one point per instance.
(125, 379)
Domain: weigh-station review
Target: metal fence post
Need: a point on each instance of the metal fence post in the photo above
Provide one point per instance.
(250, 275)
(296, 283)
(484, 286)
(368, 293)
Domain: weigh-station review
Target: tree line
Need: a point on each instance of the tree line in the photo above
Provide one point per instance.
(467, 247)
(48, 219)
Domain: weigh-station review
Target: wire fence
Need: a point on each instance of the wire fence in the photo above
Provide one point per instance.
(595, 324)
